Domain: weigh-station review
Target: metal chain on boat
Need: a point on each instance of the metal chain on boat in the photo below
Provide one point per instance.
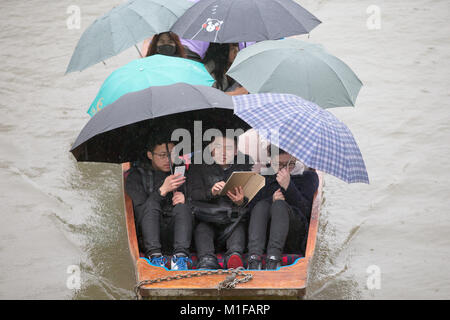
(230, 281)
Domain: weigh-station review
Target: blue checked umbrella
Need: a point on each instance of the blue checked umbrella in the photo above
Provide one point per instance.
(311, 134)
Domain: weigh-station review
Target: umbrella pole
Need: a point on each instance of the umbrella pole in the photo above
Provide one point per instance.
(170, 159)
(170, 162)
(138, 51)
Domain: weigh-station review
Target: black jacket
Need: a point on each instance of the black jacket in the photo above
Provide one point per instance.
(204, 176)
(299, 194)
(142, 185)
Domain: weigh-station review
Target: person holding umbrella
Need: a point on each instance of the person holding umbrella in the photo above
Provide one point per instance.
(163, 219)
(166, 43)
(281, 211)
(218, 59)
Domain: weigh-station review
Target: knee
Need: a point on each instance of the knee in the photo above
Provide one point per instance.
(279, 206)
(182, 208)
(202, 227)
(183, 211)
(261, 207)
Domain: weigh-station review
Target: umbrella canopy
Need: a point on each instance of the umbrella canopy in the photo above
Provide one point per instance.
(120, 132)
(156, 70)
(123, 27)
(296, 67)
(311, 134)
(228, 21)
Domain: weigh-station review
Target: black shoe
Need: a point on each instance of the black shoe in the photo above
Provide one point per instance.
(273, 263)
(254, 262)
(208, 262)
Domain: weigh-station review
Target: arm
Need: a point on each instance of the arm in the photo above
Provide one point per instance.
(198, 190)
(237, 92)
(262, 194)
(135, 189)
(302, 196)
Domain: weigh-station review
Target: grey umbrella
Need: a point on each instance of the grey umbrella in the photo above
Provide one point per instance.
(120, 132)
(296, 67)
(228, 21)
(123, 27)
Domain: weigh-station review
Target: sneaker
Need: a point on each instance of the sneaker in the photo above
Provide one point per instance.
(234, 261)
(254, 262)
(208, 262)
(179, 262)
(158, 260)
(273, 263)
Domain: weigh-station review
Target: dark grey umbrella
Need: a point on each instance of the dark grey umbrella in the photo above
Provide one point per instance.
(228, 21)
(120, 132)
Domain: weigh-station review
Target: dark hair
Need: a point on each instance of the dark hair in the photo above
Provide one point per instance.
(219, 52)
(275, 149)
(156, 140)
(180, 49)
(235, 139)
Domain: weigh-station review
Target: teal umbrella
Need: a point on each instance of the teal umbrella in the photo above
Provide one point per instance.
(156, 70)
(123, 27)
(296, 67)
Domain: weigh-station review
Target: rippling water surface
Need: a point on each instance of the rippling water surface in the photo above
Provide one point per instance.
(56, 213)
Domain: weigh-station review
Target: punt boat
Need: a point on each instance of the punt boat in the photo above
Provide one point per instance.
(287, 282)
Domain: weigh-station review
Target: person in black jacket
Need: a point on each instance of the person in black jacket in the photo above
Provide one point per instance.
(207, 180)
(164, 221)
(280, 211)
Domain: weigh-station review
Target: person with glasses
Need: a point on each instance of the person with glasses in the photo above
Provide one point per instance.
(163, 219)
(280, 212)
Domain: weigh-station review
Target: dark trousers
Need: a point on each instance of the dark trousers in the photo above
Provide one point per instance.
(284, 228)
(206, 235)
(166, 233)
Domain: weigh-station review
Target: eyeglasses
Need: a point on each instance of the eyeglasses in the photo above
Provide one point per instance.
(281, 165)
(161, 156)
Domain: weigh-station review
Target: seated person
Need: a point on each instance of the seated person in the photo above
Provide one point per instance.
(280, 211)
(195, 49)
(218, 59)
(207, 180)
(163, 221)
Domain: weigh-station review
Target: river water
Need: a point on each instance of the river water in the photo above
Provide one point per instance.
(386, 240)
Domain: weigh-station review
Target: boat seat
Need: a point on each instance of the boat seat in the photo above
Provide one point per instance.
(286, 259)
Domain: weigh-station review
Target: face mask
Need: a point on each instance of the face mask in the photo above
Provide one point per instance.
(166, 49)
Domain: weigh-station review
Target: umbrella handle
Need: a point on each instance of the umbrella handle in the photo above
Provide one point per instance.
(170, 159)
(138, 51)
(170, 162)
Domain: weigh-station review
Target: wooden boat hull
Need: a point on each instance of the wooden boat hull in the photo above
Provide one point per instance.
(288, 282)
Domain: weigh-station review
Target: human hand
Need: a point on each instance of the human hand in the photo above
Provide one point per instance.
(284, 178)
(178, 197)
(278, 195)
(172, 183)
(238, 91)
(217, 187)
(238, 196)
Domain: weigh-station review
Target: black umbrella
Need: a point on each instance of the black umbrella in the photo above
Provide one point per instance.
(228, 21)
(120, 132)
